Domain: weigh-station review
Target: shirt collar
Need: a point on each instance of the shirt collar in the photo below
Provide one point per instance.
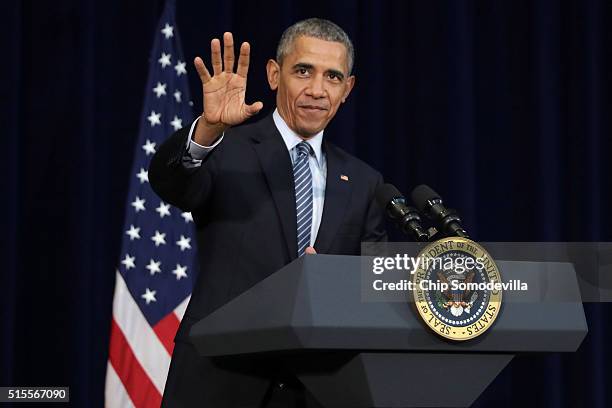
(291, 139)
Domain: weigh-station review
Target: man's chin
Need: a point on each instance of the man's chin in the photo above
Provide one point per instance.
(310, 130)
(308, 133)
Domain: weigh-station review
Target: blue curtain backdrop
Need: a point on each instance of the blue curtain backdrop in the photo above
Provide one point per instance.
(502, 106)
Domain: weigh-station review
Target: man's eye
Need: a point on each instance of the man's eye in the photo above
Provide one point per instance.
(302, 71)
(334, 77)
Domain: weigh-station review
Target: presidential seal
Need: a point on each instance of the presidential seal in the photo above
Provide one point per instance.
(457, 288)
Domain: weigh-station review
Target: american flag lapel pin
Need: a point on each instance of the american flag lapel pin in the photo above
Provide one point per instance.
(343, 177)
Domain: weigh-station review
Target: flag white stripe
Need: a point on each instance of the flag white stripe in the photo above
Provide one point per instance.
(115, 394)
(180, 309)
(145, 344)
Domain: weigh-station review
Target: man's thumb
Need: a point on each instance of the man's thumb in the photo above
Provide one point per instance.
(253, 108)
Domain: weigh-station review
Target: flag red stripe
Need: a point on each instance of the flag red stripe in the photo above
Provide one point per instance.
(141, 390)
(166, 330)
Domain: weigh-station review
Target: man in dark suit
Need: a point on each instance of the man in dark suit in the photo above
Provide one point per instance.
(262, 195)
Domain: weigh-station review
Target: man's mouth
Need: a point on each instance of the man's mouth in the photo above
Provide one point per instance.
(313, 108)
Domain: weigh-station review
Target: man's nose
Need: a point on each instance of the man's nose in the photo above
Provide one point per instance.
(317, 87)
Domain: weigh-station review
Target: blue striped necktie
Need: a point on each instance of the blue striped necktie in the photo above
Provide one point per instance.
(303, 196)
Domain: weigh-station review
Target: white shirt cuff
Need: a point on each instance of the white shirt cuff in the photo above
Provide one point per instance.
(195, 152)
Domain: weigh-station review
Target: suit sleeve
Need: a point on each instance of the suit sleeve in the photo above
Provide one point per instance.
(374, 226)
(184, 187)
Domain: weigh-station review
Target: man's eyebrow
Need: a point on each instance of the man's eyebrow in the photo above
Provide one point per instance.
(302, 65)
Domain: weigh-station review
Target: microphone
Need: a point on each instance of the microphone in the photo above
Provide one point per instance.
(407, 218)
(430, 204)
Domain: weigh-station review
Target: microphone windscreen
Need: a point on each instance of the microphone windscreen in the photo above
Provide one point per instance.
(421, 195)
(385, 193)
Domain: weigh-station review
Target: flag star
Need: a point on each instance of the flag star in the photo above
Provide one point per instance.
(149, 296)
(153, 267)
(153, 118)
(180, 68)
(128, 261)
(160, 89)
(159, 238)
(138, 204)
(180, 272)
(133, 232)
(177, 123)
(143, 175)
(163, 209)
(168, 31)
(164, 60)
(149, 147)
(177, 96)
(187, 216)
(184, 243)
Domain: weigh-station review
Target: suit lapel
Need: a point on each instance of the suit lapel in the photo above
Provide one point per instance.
(276, 164)
(337, 194)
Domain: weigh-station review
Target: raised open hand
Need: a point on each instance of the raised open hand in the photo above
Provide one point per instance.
(224, 92)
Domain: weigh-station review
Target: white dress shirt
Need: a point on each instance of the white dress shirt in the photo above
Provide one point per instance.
(318, 164)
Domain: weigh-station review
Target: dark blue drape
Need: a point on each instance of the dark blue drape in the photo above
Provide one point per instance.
(502, 106)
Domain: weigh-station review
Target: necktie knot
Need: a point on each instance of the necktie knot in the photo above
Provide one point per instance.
(304, 149)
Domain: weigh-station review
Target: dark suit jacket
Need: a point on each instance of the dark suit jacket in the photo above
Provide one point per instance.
(243, 203)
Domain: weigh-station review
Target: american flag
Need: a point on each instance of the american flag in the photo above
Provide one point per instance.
(157, 268)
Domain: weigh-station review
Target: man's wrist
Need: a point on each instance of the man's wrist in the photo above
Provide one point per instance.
(206, 134)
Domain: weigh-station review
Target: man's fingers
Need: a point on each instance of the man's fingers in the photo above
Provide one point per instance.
(215, 53)
(310, 250)
(202, 71)
(243, 60)
(253, 108)
(228, 52)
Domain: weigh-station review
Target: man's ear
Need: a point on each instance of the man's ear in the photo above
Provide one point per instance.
(273, 73)
(350, 83)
